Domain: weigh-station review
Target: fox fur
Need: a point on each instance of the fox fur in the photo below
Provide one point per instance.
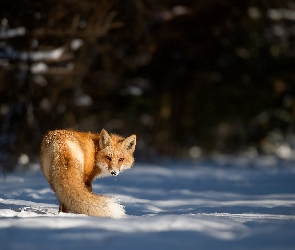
(71, 160)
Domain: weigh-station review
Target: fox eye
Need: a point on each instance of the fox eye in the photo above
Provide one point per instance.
(121, 159)
(108, 158)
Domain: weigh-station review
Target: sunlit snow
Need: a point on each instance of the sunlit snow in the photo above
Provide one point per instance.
(211, 204)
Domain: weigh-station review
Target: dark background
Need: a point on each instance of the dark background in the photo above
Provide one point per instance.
(189, 78)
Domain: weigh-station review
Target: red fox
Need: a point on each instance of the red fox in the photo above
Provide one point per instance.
(71, 160)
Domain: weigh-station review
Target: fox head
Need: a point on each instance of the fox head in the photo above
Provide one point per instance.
(115, 153)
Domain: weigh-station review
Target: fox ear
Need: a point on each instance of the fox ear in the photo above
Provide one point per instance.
(129, 143)
(104, 139)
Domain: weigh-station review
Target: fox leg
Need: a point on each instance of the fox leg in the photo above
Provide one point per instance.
(63, 209)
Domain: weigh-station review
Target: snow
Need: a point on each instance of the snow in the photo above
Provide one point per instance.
(11, 33)
(215, 204)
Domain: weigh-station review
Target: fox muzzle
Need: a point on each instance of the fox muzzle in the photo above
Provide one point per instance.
(114, 173)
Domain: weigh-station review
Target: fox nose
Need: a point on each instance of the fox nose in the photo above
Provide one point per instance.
(114, 173)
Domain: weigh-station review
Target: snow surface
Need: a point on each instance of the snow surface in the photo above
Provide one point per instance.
(226, 203)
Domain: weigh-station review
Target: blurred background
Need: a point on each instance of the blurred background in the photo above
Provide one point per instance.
(189, 78)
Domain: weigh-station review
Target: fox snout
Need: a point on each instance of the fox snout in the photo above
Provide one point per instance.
(114, 173)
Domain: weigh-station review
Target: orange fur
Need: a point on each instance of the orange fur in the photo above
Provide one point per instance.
(71, 160)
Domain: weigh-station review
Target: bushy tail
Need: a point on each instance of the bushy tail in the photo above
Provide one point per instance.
(68, 185)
